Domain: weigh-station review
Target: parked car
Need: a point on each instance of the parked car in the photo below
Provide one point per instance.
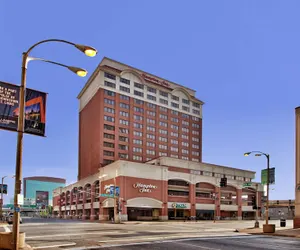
(10, 218)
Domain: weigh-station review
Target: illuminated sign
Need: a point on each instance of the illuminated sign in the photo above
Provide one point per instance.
(144, 188)
(154, 80)
(179, 205)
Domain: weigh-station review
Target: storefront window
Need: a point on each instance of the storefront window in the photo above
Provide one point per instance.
(178, 193)
(178, 183)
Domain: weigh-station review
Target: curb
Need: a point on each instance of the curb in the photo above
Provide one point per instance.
(277, 235)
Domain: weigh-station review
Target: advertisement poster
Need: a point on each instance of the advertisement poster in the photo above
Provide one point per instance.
(42, 198)
(35, 109)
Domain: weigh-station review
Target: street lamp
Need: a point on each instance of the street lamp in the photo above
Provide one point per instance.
(89, 51)
(259, 153)
(2, 189)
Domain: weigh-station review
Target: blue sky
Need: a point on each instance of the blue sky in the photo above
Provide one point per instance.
(242, 58)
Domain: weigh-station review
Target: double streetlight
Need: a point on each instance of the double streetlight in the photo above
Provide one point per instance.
(258, 153)
(87, 50)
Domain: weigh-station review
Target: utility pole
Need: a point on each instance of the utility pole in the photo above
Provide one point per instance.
(256, 225)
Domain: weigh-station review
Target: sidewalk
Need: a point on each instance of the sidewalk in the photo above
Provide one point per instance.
(279, 232)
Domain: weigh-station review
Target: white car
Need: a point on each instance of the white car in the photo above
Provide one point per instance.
(10, 218)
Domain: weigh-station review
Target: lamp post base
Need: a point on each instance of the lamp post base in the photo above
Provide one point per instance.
(256, 224)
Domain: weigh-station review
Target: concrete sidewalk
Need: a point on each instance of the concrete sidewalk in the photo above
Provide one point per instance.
(279, 232)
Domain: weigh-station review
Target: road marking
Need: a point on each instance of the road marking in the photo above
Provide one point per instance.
(192, 245)
(6, 229)
(53, 246)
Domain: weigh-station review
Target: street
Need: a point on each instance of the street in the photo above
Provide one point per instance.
(68, 234)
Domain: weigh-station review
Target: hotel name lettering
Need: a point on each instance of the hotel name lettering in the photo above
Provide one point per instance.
(144, 188)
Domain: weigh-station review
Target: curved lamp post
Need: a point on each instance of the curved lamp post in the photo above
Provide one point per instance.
(259, 153)
(89, 51)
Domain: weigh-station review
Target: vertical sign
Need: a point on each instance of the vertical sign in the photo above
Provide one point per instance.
(264, 176)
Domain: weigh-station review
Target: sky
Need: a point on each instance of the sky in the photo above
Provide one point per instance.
(242, 58)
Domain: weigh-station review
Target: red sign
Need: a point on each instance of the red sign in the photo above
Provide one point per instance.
(154, 80)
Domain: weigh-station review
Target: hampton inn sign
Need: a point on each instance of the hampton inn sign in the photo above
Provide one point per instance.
(144, 188)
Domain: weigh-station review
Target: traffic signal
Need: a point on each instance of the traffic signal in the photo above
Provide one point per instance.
(277, 202)
(223, 182)
(254, 205)
(290, 202)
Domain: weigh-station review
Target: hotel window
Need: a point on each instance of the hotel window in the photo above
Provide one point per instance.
(109, 110)
(123, 113)
(195, 146)
(165, 147)
(195, 159)
(174, 127)
(162, 153)
(196, 119)
(163, 93)
(173, 149)
(109, 136)
(123, 156)
(137, 125)
(185, 144)
(123, 147)
(109, 118)
(106, 162)
(161, 116)
(138, 93)
(196, 105)
(126, 81)
(185, 101)
(162, 131)
(186, 130)
(185, 123)
(247, 179)
(184, 151)
(185, 137)
(137, 158)
(109, 93)
(124, 105)
(151, 121)
(150, 128)
(174, 156)
(163, 124)
(138, 85)
(163, 109)
(173, 119)
(124, 89)
(109, 101)
(108, 153)
(152, 90)
(163, 139)
(194, 132)
(151, 113)
(239, 178)
(174, 141)
(175, 105)
(217, 175)
(197, 112)
(150, 144)
(123, 138)
(138, 117)
(195, 153)
(151, 105)
(110, 84)
(137, 133)
(174, 134)
(231, 177)
(137, 101)
(136, 141)
(186, 108)
(124, 97)
(163, 101)
(185, 158)
(110, 76)
(108, 144)
(151, 97)
(194, 125)
(137, 150)
(124, 130)
(175, 98)
(185, 116)
(150, 136)
(195, 139)
(150, 152)
(174, 112)
(137, 109)
(124, 122)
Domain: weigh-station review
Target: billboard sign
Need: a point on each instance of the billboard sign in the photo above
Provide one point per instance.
(35, 109)
(4, 188)
(42, 198)
(264, 176)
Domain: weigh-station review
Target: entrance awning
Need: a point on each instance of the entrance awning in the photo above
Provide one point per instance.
(144, 202)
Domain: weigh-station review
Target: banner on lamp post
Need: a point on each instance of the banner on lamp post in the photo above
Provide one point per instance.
(35, 109)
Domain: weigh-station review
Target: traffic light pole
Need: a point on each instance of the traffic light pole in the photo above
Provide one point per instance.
(1, 205)
(256, 225)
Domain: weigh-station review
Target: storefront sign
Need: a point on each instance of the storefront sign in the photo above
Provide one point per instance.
(179, 205)
(144, 188)
(154, 80)
(107, 188)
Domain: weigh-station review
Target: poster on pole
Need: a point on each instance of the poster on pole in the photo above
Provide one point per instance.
(35, 109)
(264, 176)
